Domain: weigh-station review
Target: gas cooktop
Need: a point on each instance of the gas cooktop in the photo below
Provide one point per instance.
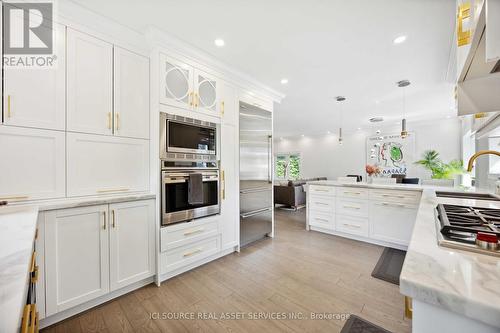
(469, 228)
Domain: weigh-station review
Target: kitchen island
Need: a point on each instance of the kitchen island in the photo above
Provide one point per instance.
(451, 290)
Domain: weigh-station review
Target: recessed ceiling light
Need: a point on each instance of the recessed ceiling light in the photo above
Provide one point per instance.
(399, 39)
(377, 102)
(284, 81)
(328, 132)
(219, 42)
(359, 128)
(302, 135)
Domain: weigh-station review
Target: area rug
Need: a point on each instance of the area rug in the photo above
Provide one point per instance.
(389, 265)
(356, 324)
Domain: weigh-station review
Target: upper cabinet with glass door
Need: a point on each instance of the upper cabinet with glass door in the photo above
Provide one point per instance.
(184, 86)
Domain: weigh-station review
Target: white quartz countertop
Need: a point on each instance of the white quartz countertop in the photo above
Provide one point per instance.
(404, 187)
(463, 282)
(64, 203)
(17, 233)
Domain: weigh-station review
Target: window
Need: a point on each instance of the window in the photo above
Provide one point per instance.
(287, 166)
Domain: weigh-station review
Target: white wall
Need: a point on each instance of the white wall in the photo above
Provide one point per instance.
(323, 156)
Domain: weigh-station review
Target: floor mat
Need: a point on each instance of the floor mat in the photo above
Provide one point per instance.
(358, 325)
(389, 265)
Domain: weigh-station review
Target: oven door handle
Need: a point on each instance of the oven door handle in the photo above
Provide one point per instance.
(180, 181)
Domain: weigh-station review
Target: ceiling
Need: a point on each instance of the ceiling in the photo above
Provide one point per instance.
(325, 48)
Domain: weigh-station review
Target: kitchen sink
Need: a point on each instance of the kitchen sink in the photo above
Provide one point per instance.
(465, 195)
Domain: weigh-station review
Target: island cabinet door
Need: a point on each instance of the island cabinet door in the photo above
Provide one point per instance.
(76, 256)
(392, 222)
(132, 242)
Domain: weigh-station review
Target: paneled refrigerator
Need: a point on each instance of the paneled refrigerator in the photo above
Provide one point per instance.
(256, 188)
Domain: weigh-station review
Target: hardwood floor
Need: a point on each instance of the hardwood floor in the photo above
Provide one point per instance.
(298, 272)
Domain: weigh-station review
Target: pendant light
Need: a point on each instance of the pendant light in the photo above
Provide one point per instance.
(403, 84)
(340, 99)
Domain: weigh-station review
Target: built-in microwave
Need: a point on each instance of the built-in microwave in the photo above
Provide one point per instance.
(183, 138)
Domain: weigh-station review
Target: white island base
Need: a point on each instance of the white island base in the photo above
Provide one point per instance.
(429, 318)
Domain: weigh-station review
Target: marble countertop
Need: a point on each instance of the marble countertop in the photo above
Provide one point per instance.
(64, 203)
(405, 187)
(17, 233)
(463, 282)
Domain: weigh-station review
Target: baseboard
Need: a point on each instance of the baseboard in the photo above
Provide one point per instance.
(359, 238)
(51, 320)
(193, 265)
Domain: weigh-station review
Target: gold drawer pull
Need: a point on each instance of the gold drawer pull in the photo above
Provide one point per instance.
(190, 232)
(352, 207)
(34, 275)
(319, 219)
(117, 125)
(351, 226)
(113, 190)
(109, 120)
(9, 112)
(408, 307)
(321, 203)
(113, 218)
(189, 254)
(222, 108)
(356, 193)
(20, 197)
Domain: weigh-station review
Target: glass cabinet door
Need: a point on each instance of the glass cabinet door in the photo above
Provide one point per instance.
(206, 92)
(176, 83)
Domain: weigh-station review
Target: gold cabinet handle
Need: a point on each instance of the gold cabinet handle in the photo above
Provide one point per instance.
(34, 275)
(222, 108)
(9, 112)
(109, 120)
(196, 100)
(104, 220)
(191, 98)
(117, 120)
(408, 307)
(113, 218)
(26, 318)
(113, 190)
(189, 254)
(223, 178)
(190, 232)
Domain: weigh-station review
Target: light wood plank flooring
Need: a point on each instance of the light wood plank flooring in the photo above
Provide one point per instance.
(298, 272)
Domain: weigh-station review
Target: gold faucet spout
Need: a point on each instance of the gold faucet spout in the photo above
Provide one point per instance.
(479, 153)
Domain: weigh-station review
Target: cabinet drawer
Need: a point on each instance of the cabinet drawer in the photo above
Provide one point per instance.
(352, 225)
(321, 204)
(322, 190)
(182, 234)
(185, 255)
(352, 207)
(352, 192)
(322, 220)
(409, 197)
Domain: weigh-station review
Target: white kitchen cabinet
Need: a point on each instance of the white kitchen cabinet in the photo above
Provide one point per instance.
(98, 164)
(321, 220)
(229, 187)
(354, 225)
(205, 92)
(32, 164)
(132, 242)
(176, 82)
(229, 108)
(492, 30)
(36, 97)
(392, 222)
(76, 256)
(89, 84)
(131, 94)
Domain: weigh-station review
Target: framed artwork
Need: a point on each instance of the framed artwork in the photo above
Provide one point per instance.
(390, 153)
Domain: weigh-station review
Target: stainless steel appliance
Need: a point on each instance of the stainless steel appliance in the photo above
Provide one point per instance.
(187, 142)
(469, 228)
(174, 194)
(256, 203)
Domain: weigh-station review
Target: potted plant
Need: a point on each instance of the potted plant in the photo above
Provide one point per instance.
(439, 169)
(372, 171)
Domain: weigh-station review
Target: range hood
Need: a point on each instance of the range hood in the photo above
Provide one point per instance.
(479, 79)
